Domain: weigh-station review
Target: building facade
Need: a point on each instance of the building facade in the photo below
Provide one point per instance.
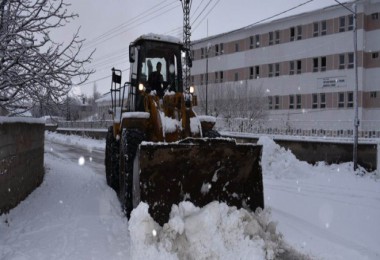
(305, 65)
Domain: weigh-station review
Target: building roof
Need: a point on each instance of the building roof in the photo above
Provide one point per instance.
(269, 20)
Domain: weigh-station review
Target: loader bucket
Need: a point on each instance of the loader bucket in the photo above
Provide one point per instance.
(200, 171)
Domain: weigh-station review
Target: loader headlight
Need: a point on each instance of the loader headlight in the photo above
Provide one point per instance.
(141, 87)
(192, 89)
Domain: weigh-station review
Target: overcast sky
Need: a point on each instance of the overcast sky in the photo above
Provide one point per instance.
(109, 26)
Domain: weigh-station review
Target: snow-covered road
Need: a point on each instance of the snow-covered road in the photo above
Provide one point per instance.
(325, 212)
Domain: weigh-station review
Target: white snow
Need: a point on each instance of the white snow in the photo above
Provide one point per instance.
(142, 115)
(28, 120)
(204, 118)
(324, 212)
(159, 37)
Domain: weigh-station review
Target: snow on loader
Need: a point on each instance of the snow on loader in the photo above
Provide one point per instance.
(160, 152)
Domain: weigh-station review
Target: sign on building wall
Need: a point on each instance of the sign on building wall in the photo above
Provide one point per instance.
(332, 82)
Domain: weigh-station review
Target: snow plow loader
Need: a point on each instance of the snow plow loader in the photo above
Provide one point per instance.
(160, 152)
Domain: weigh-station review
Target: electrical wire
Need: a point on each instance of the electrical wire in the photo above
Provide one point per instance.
(212, 8)
(140, 19)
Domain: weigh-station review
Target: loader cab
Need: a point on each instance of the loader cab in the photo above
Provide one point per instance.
(144, 55)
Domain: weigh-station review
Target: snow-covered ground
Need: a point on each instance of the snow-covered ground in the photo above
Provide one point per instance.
(323, 212)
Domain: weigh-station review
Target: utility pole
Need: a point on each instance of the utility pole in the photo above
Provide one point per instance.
(207, 50)
(356, 98)
(186, 6)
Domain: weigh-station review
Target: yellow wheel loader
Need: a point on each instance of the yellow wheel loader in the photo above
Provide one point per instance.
(160, 152)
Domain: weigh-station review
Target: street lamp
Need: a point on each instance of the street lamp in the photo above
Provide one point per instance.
(356, 117)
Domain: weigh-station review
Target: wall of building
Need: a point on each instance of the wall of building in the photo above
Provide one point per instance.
(21, 160)
(335, 80)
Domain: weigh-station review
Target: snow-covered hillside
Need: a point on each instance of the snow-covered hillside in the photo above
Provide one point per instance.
(323, 212)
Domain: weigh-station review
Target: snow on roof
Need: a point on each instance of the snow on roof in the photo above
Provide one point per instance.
(28, 120)
(159, 37)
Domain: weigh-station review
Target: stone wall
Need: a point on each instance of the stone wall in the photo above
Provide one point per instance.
(21, 159)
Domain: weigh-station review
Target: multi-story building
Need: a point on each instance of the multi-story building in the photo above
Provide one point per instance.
(305, 64)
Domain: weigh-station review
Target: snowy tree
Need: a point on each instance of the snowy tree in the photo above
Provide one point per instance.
(34, 69)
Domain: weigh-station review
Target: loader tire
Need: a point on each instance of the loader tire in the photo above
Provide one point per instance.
(130, 141)
(211, 134)
(111, 160)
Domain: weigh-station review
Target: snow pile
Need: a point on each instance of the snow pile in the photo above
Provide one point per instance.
(215, 231)
(281, 163)
(75, 140)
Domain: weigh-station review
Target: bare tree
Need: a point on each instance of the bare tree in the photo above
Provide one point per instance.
(33, 68)
(242, 99)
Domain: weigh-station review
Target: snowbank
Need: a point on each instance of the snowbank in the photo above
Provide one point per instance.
(215, 231)
(75, 140)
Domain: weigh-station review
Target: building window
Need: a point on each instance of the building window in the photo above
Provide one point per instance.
(375, 16)
(299, 101)
(323, 63)
(299, 66)
(216, 77)
(202, 78)
(270, 38)
(277, 69)
(292, 33)
(270, 70)
(257, 70)
(375, 55)
(291, 67)
(350, 64)
(299, 32)
(322, 100)
(316, 29)
(216, 49)
(373, 94)
(236, 76)
(315, 101)
(277, 102)
(277, 37)
(251, 42)
(341, 61)
(202, 53)
(221, 48)
(350, 99)
(291, 102)
(323, 27)
(251, 73)
(315, 65)
(221, 76)
(340, 99)
(257, 40)
(342, 23)
(236, 47)
(350, 22)
(270, 102)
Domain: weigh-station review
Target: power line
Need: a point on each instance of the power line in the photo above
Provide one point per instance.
(95, 80)
(204, 9)
(212, 8)
(122, 28)
(283, 12)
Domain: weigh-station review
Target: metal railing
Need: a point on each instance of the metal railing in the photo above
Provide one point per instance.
(299, 128)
